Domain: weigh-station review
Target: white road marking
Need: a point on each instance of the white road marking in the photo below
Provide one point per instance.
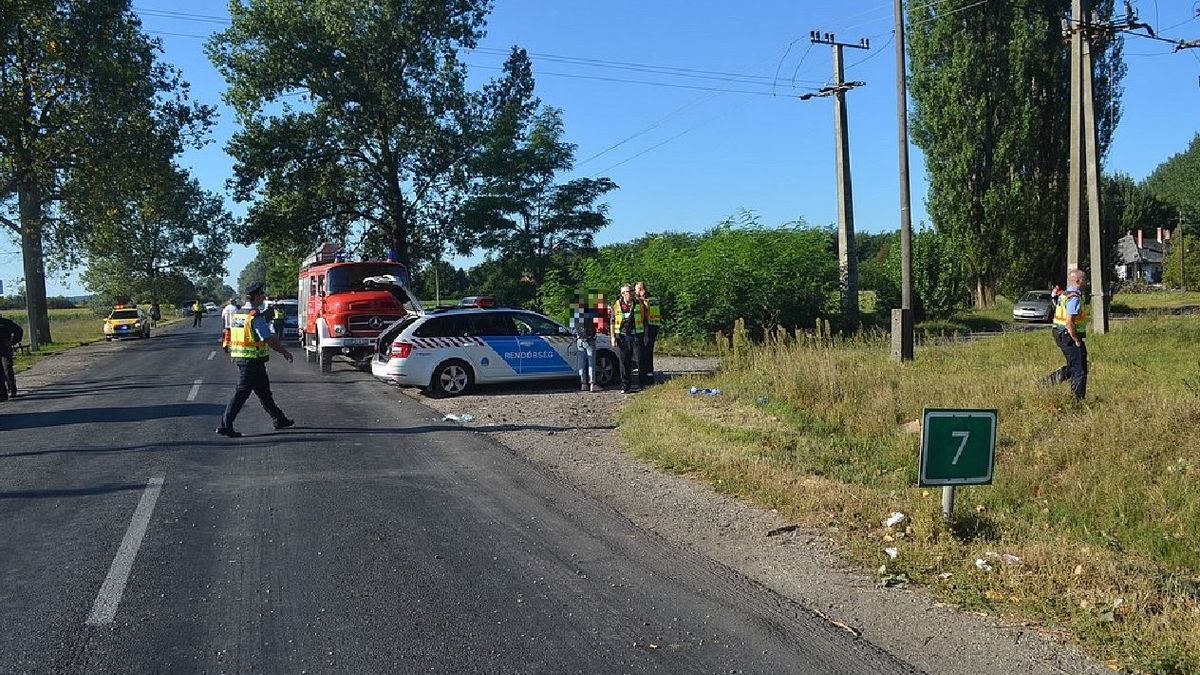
(195, 390)
(114, 584)
(212, 354)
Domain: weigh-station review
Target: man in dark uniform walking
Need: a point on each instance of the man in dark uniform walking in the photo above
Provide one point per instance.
(11, 335)
(1069, 321)
(250, 339)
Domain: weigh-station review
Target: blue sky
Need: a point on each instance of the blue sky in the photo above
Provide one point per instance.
(690, 148)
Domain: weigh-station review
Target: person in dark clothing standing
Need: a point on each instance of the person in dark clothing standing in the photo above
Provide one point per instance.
(1069, 323)
(155, 314)
(11, 335)
(250, 339)
(628, 330)
(653, 320)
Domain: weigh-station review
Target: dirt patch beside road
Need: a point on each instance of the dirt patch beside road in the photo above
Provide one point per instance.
(573, 434)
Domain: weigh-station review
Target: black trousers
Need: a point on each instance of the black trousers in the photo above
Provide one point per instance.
(252, 377)
(8, 377)
(1076, 368)
(646, 362)
(631, 352)
(196, 316)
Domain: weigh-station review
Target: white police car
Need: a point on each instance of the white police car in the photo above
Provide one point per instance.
(448, 351)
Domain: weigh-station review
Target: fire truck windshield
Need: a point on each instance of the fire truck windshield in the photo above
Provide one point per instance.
(345, 278)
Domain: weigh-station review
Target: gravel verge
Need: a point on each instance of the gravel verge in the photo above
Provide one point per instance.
(574, 435)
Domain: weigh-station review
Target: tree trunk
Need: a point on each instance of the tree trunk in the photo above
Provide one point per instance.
(985, 293)
(30, 205)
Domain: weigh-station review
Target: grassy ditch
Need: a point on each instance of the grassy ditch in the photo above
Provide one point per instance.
(1098, 500)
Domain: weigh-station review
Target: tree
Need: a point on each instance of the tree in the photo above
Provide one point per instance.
(83, 104)
(356, 120)
(214, 289)
(170, 229)
(990, 89)
(440, 275)
(255, 272)
(1177, 181)
(518, 211)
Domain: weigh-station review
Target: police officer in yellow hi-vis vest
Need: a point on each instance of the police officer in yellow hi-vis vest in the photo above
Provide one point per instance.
(1068, 334)
(628, 330)
(653, 321)
(250, 338)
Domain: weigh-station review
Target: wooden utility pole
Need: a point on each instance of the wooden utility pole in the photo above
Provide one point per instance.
(902, 319)
(847, 259)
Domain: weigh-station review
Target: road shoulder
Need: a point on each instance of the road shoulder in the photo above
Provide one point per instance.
(573, 435)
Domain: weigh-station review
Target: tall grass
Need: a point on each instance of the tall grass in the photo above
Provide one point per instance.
(1098, 499)
(70, 328)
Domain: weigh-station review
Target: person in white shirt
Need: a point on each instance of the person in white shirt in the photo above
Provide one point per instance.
(227, 313)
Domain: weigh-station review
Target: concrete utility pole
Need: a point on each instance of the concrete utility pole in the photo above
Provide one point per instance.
(1074, 182)
(1083, 137)
(1182, 253)
(847, 260)
(902, 319)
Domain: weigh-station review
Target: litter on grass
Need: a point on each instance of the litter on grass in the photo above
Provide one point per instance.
(696, 391)
(894, 519)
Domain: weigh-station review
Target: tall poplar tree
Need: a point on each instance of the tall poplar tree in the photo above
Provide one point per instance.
(990, 84)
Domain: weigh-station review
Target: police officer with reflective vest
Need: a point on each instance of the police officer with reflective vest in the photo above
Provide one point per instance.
(278, 318)
(628, 331)
(250, 338)
(1068, 334)
(653, 321)
(197, 313)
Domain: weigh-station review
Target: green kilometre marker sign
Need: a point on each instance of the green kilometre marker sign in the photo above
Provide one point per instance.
(958, 447)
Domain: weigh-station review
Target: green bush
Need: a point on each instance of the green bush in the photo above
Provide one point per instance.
(704, 282)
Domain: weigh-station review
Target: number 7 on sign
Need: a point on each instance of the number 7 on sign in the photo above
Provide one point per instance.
(964, 435)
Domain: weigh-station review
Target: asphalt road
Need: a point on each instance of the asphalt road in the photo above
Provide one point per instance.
(370, 538)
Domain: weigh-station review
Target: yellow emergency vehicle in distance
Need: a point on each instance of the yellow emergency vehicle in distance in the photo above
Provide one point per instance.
(126, 322)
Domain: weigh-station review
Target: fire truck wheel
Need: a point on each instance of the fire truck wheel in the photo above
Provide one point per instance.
(452, 378)
(325, 357)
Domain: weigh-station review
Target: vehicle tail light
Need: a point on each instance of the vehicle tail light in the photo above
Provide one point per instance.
(401, 350)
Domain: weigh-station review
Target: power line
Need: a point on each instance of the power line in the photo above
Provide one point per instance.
(675, 113)
(183, 16)
(638, 67)
(645, 82)
(658, 145)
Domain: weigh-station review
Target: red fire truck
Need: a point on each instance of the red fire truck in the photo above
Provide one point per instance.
(343, 306)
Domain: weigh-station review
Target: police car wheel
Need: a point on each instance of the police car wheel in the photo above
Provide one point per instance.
(606, 368)
(452, 378)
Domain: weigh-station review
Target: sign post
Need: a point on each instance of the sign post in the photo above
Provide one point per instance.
(958, 447)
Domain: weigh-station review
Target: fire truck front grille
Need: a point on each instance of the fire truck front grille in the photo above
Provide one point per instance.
(370, 324)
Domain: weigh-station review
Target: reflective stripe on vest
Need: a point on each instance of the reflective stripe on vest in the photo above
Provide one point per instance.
(654, 311)
(619, 316)
(1060, 311)
(243, 344)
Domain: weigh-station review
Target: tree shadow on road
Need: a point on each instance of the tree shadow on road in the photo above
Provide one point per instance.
(73, 492)
(119, 415)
